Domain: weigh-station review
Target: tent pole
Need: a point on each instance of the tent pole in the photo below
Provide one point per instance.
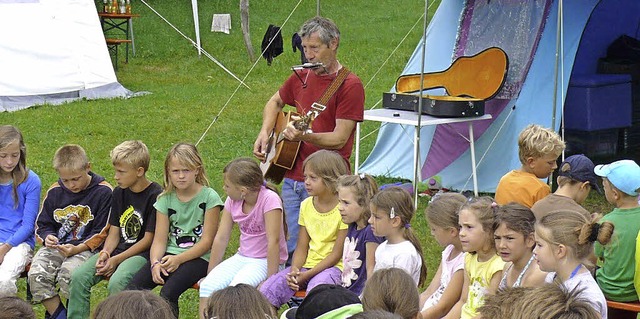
(562, 73)
(318, 8)
(196, 24)
(417, 168)
(555, 68)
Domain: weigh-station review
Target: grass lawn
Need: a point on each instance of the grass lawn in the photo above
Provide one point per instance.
(189, 94)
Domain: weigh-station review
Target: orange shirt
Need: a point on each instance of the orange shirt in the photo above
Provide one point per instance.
(521, 187)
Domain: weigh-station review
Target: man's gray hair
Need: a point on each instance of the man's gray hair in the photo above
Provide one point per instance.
(326, 28)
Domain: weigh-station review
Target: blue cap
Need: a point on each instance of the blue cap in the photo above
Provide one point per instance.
(624, 175)
(579, 168)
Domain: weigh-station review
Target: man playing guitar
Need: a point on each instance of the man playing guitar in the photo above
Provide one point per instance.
(333, 128)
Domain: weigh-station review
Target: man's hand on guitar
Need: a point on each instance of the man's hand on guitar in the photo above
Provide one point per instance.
(291, 133)
(260, 147)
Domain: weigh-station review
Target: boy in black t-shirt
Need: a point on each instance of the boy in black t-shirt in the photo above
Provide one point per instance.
(132, 222)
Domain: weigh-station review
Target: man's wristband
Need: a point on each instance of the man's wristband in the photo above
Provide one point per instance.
(154, 264)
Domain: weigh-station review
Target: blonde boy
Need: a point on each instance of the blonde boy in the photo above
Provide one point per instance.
(71, 224)
(132, 225)
(621, 181)
(575, 181)
(538, 149)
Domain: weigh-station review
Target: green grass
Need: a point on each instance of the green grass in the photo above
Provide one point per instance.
(188, 93)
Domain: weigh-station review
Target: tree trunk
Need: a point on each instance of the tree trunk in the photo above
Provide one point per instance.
(244, 21)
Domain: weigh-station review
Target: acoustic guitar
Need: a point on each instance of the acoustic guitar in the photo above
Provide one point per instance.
(281, 153)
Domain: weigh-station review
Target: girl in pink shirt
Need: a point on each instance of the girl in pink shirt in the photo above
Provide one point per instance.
(257, 209)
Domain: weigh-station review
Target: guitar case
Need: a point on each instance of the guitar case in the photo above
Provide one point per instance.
(434, 105)
(469, 82)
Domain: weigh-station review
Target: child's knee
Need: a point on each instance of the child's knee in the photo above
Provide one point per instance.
(117, 284)
(8, 287)
(82, 276)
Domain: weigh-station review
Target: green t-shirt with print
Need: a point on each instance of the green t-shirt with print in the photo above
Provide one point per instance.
(186, 219)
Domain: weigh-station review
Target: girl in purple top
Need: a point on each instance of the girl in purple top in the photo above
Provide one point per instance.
(257, 209)
(19, 203)
(358, 255)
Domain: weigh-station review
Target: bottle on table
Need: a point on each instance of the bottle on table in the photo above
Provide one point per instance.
(123, 8)
(105, 6)
(128, 7)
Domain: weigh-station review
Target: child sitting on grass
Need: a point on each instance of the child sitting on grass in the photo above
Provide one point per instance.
(316, 259)
(72, 224)
(19, 203)
(575, 181)
(132, 223)
(621, 181)
(445, 288)
(538, 150)
(564, 242)
(187, 217)
(358, 258)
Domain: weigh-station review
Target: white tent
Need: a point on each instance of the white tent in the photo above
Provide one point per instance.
(51, 52)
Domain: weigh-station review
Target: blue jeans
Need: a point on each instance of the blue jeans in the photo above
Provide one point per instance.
(293, 193)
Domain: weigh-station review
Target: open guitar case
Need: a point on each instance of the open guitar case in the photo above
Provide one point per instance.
(468, 82)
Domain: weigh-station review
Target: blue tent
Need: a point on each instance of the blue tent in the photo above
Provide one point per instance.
(528, 33)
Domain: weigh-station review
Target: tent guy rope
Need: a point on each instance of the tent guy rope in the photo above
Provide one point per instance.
(199, 48)
(215, 118)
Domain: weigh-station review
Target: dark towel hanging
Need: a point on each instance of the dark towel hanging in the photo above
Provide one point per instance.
(274, 37)
(296, 43)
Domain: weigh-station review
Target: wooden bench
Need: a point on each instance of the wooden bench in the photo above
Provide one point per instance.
(633, 306)
(112, 45)
(623, 309)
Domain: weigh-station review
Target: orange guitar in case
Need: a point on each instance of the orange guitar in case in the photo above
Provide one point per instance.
(469, 82)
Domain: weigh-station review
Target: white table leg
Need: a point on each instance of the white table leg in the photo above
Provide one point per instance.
(133, 42)
(416, 149)
(357, 162)
(473, 160)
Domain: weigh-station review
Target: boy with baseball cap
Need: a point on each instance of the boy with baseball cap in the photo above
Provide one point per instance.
(575, 180)
(621, 181)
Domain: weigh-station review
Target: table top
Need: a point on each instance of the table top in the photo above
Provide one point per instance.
(411, 117)
(117, 15)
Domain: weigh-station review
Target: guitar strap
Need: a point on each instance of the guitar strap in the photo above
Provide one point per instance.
(333, 87)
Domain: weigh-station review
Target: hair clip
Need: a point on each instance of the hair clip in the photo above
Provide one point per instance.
(362, 176)
(494, 204)
(392, 213)
(264, 183)
(407, 225)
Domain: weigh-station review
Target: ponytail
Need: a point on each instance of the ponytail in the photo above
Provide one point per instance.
(576, 231)
(593, 232)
